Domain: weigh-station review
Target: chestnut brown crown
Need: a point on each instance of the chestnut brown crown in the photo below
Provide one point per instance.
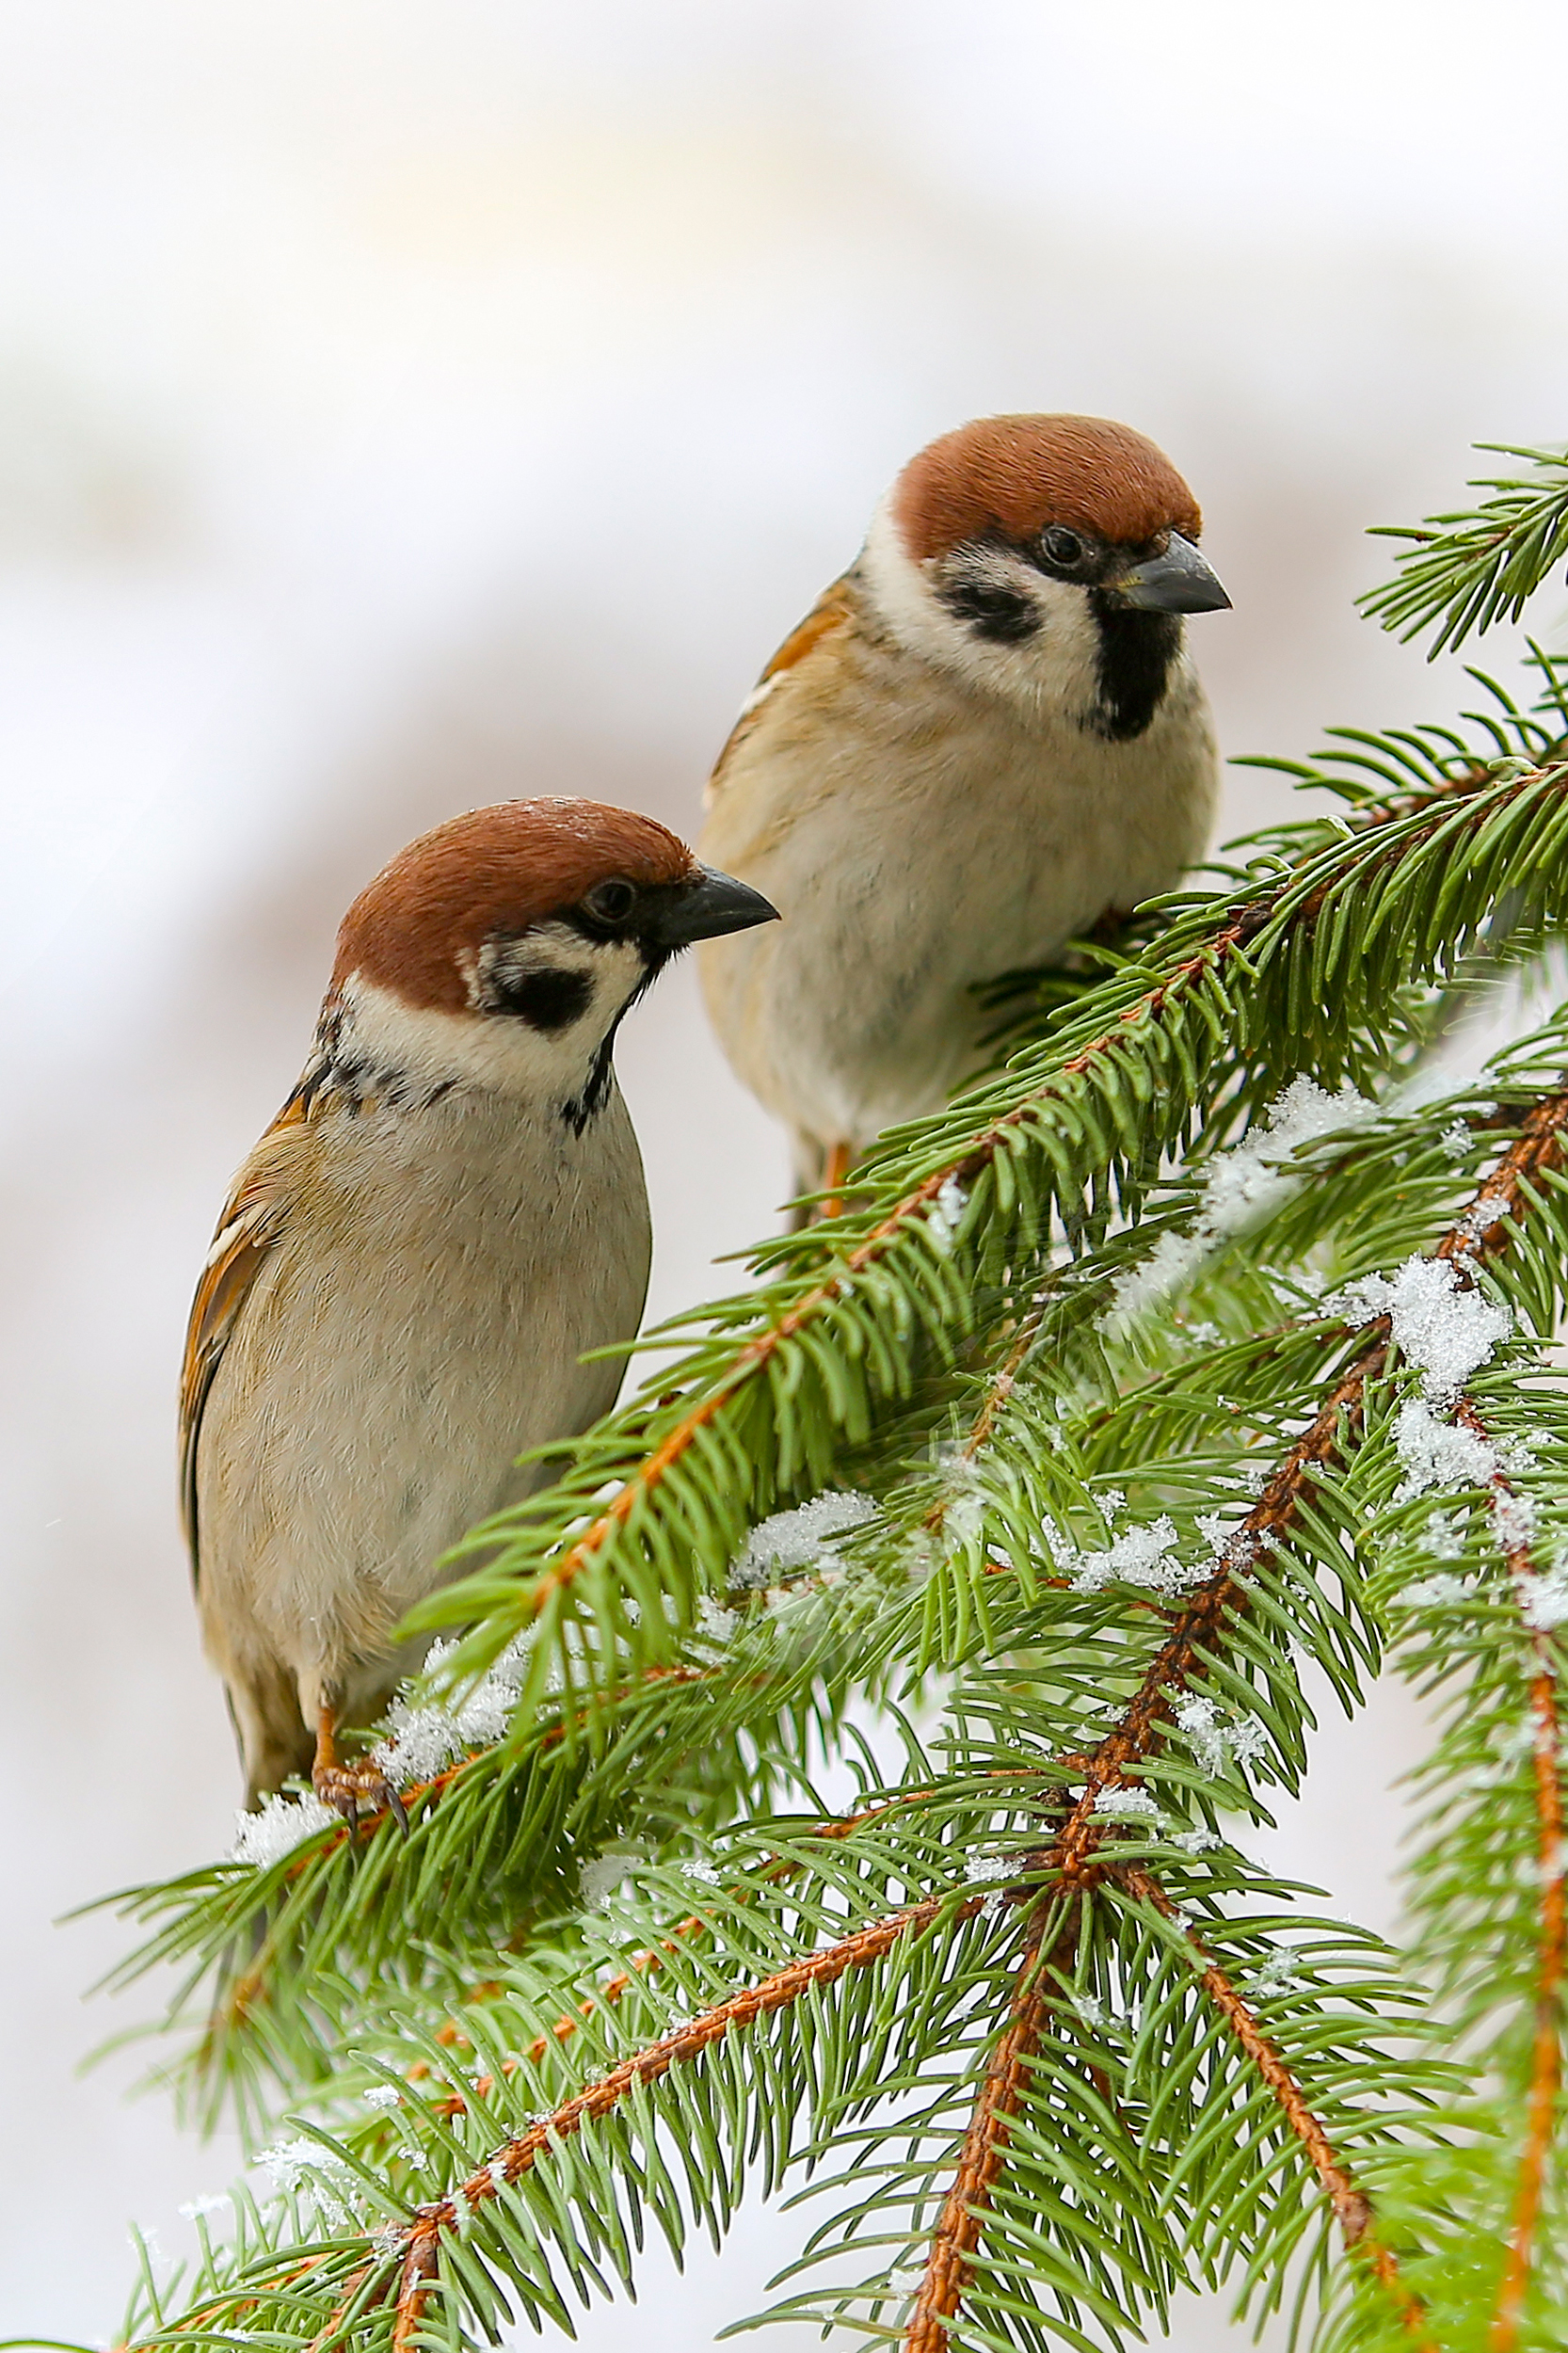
(1018, 475)
(417, 929)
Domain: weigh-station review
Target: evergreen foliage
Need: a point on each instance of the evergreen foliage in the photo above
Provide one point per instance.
(1199, 1357)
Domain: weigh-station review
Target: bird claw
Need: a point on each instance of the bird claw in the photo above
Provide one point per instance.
(359, 1792)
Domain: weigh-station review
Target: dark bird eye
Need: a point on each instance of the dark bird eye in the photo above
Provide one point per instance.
(611, 902)
(1062, 546)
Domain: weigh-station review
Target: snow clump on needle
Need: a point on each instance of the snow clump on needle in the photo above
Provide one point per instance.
(1441, 1323)
(1544, 1600)
(1199, 1841)
(280, 1825)
(1127, 1804)
(802, 1538)
(1141, 1555)
(1240, 1186)
(981, 1867)
(945, 1215)
(1438, 1455)
(1277, 1974)
(1439, 1592)
(305, 2169)
(1214, 1743)
(425, 1737)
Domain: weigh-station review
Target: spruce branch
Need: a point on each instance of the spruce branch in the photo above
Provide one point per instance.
(397, 2267)
(1318, 956)
(387, 2277)
(1062, 2046)
(1075, 1857)
(517, 1807)
(1353, 2208)
(984, 2151)
(1479, 564)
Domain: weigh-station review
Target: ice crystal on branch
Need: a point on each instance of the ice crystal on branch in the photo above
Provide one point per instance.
(788, 1542)
(1441, 1323)
(1143, 1556)
(1544, 1600)
(1240, 1187)
(1437, 1453)
(425, 1737)
(1216, 1742)
(277, 1826)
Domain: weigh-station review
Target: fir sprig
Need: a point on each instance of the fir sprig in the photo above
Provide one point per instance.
(1084, 1897)
(1482, 564)
(684, 1741)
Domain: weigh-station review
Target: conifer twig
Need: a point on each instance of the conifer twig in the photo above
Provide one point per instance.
(1225, 946)
(515, 2157)
(1353, 2208)
(1071, 1863)
(1179, 1662)
(1546, 2056)
(415, 2247)
(648, 1961)
(984, 2153)
(1074, 1858)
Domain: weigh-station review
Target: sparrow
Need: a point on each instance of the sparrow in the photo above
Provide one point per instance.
(984, 738)
(448, 1211)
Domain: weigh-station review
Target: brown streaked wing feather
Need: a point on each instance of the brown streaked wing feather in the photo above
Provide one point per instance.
(252, 1219)
(832, 611)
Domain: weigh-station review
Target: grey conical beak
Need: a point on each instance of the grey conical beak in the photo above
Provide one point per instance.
(708, 907)
(1179, 580)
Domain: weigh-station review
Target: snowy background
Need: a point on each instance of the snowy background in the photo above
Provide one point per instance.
(403, 406)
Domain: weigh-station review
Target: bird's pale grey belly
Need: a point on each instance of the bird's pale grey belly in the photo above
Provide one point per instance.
(378, 1439)
(951, 875)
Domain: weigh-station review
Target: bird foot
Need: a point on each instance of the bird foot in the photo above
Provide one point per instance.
(357, 1792)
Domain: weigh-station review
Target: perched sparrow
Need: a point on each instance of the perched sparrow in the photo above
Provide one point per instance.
(984, 737)
(448, 1210)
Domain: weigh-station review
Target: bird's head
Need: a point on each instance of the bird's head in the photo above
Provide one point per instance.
(1048, 558)
(501, 951)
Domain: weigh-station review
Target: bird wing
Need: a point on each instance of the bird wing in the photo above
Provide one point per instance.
(254, 1218)
(832, 611)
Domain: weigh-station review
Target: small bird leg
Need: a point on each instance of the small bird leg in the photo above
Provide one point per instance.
(351, 1790)
(835, 1169)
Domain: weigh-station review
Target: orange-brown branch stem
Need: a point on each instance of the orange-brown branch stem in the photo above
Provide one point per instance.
(652, 1959)
(1074, 1855)
(984, 2153)
(1353, 2208)
(1199, 1624)
(515, 2158)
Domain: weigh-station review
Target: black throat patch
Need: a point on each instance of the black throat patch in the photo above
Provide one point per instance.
(1133, 666)
(578, 1109)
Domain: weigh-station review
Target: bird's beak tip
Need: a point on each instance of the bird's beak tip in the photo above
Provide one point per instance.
(712, 904)
(1180, 580)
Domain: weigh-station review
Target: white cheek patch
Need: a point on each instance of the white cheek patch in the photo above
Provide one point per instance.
(399, 1048)
(1053, 669)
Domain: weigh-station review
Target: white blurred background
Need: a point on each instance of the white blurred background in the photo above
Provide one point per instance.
(405, 406)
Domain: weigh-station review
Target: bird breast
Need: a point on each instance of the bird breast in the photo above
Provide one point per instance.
(918, 837)
(418, 1324)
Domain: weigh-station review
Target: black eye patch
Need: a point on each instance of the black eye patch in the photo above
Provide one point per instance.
(547, 997)
(990, 608)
